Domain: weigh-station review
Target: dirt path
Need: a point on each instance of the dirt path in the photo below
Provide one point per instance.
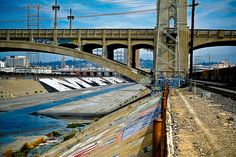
(201, 127)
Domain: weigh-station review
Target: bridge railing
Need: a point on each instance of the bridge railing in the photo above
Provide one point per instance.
(214, 33)
(75, 33)
(18, 34)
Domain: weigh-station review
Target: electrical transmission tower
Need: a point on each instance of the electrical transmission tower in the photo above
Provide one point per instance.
(33, 23)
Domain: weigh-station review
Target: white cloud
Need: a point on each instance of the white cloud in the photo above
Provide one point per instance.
(215, 14)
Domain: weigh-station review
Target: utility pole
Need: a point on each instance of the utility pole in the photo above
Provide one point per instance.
(155, 56)
(63, 63)
(55, 8)
(192, 35)
(191, 45)
(70, 17)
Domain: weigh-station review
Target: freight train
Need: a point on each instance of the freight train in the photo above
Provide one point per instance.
(225, 75)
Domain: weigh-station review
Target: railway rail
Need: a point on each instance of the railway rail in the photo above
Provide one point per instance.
(217, 87)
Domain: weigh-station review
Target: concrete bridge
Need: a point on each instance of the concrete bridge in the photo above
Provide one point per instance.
(210, 38)
(134, 74)
(169, 42)
(86, 40)
(110, 39)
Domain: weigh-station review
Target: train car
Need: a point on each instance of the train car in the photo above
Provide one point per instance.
(226, 75)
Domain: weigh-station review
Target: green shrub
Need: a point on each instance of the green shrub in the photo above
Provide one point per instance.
(69, 136)
(76, 125)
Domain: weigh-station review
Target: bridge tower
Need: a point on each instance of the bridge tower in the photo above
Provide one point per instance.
(172, 38)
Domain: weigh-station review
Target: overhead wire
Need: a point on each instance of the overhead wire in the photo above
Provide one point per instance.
(99, 14)
(93, 15)
(119, 13)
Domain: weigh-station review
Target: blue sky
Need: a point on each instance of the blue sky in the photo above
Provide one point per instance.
(210, 14)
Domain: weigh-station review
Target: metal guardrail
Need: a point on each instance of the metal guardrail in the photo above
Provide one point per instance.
(159, 144)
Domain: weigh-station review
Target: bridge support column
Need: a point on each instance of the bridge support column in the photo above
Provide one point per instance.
(137, 59)
(171, 37)
(130, 53)
(133, 59)
(110, 53)
(8, 35)
(79, 41)
(31, 38)
(104, 48)
(183, 39)
(55, 36)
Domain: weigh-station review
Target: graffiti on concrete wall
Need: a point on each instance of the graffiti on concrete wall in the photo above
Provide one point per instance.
(119, 129)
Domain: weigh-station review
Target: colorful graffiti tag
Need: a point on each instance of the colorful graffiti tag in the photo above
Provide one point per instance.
(119, 129)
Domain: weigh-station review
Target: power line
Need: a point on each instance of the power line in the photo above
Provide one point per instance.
(93, 15)
(122, 3)
(119, 13)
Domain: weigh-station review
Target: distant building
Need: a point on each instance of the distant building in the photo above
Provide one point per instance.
(2, 64)
(222, 64)
(121, 55)
(41, 70)
(7, 69)
(17, 61)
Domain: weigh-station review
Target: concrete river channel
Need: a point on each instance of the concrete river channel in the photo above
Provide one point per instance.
(23, 122)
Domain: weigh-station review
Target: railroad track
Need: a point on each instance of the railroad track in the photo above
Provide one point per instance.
(216, 87)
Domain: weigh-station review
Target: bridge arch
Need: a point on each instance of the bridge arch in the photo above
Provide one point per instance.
(116, 42)
(140, 42)
(139, 76)
(67, 42)
(89, 47)
(68, 45)
(136, 53)
(215, 43)
(111, 50)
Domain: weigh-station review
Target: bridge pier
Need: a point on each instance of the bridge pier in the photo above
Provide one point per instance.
(79, 40)
(172, 40)
(55, 36)
(130, 56)
(31, 38)
(104, 47)
(8, 35)
(110, 53)
(135, 58)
